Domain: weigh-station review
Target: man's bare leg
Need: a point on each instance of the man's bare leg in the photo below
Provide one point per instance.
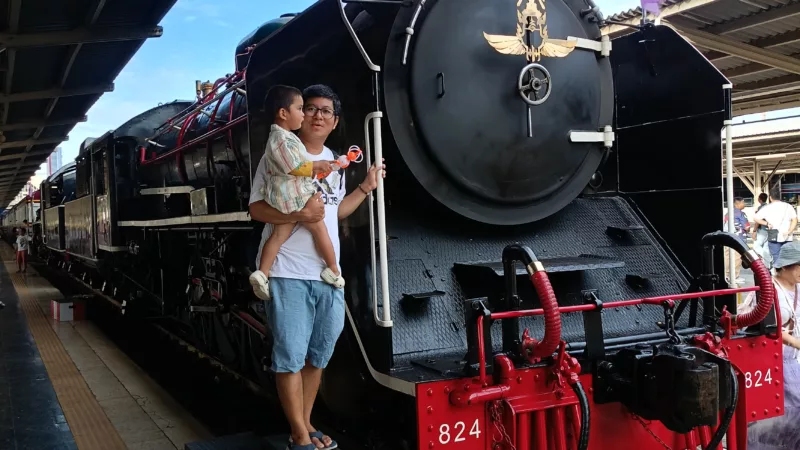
(290, 393)
(311, 379)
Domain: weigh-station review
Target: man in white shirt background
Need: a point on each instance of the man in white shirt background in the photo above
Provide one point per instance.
(780, 218)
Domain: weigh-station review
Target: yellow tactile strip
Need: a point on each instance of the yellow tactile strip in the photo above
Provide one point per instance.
(88, 422)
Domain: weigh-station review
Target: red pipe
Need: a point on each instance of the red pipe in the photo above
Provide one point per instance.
(481, 353)
(765, 300)
(622, 303)
(487, 394)
(231, 79)
(691, 442)
(523, 431)
(260, 328)
(731, 435)
(552, 319)
(575, 420)
(211, 133)
(705, 436)
(560, 437)
(540, 429)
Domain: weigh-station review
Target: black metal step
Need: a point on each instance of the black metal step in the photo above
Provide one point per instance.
(242, 441)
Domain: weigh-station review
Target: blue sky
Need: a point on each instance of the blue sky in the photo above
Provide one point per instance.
(199, 40)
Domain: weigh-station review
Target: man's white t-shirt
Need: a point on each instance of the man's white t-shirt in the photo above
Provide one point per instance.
(298, 257)
(779, 216)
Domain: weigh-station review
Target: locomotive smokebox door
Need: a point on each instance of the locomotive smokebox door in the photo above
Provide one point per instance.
(499, 109)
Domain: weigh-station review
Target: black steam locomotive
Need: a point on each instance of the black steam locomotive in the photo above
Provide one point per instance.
(502, 122)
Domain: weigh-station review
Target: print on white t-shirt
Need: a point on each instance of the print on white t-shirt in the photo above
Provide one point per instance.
(22, 243)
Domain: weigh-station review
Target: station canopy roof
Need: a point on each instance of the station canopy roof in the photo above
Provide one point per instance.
(56, 59)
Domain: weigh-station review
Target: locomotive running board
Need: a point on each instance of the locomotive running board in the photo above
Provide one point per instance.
(188, 220)
(166, 190)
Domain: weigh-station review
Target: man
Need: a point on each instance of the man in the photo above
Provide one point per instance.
(760, 233)
(741, 225)
(780, 219)
(305, 314)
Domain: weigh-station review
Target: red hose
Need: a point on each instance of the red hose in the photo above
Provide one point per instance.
(766, 296)
(552, 320)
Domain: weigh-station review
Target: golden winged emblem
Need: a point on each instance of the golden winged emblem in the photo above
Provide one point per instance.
(532, 18)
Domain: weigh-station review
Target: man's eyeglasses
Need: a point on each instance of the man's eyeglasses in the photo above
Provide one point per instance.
(311, 111)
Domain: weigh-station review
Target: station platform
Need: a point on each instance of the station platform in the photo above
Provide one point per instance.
(65, 385)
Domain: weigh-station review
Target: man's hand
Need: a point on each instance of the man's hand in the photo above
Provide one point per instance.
(371, 180)
(314, 211)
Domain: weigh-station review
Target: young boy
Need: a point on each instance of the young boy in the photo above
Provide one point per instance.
(290, 185)
(22, 250)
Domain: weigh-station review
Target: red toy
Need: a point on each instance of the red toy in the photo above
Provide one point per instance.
(354, 154)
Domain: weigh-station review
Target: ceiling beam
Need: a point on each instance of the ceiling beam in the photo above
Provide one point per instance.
(11, 56)
(79, 36)
(740, 49)
(765, 108)
(26, 142)
(36, 123)
(756, 19)
(50, 93)
(666, 12)
(31, 153)
(790, 37)
(94, 12)
(746, 88)
(747, 69)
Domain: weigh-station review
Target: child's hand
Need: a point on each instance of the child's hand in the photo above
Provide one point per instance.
(324, 167)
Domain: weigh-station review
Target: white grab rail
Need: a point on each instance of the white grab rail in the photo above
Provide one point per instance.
(375, 118)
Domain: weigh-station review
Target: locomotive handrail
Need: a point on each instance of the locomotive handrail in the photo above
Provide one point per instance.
(203, 103)
(590, 307)
(372, 66)
(375, 118)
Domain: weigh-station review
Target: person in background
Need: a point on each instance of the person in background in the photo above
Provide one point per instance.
(741, 226)
(760, 233)
(782, 432)
(780, 218)
(22, 250)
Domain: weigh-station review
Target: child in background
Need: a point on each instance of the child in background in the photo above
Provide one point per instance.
(290, 185)
(22, 250)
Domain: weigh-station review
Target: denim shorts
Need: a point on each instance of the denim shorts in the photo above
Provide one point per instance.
(306, 318)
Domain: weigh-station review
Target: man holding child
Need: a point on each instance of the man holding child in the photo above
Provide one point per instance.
(306, 314)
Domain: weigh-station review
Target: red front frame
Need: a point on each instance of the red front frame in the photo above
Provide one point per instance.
(537, 414)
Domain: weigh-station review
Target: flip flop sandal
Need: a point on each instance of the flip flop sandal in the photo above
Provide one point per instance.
(319, 435)
(310, 446)
(293, 446)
